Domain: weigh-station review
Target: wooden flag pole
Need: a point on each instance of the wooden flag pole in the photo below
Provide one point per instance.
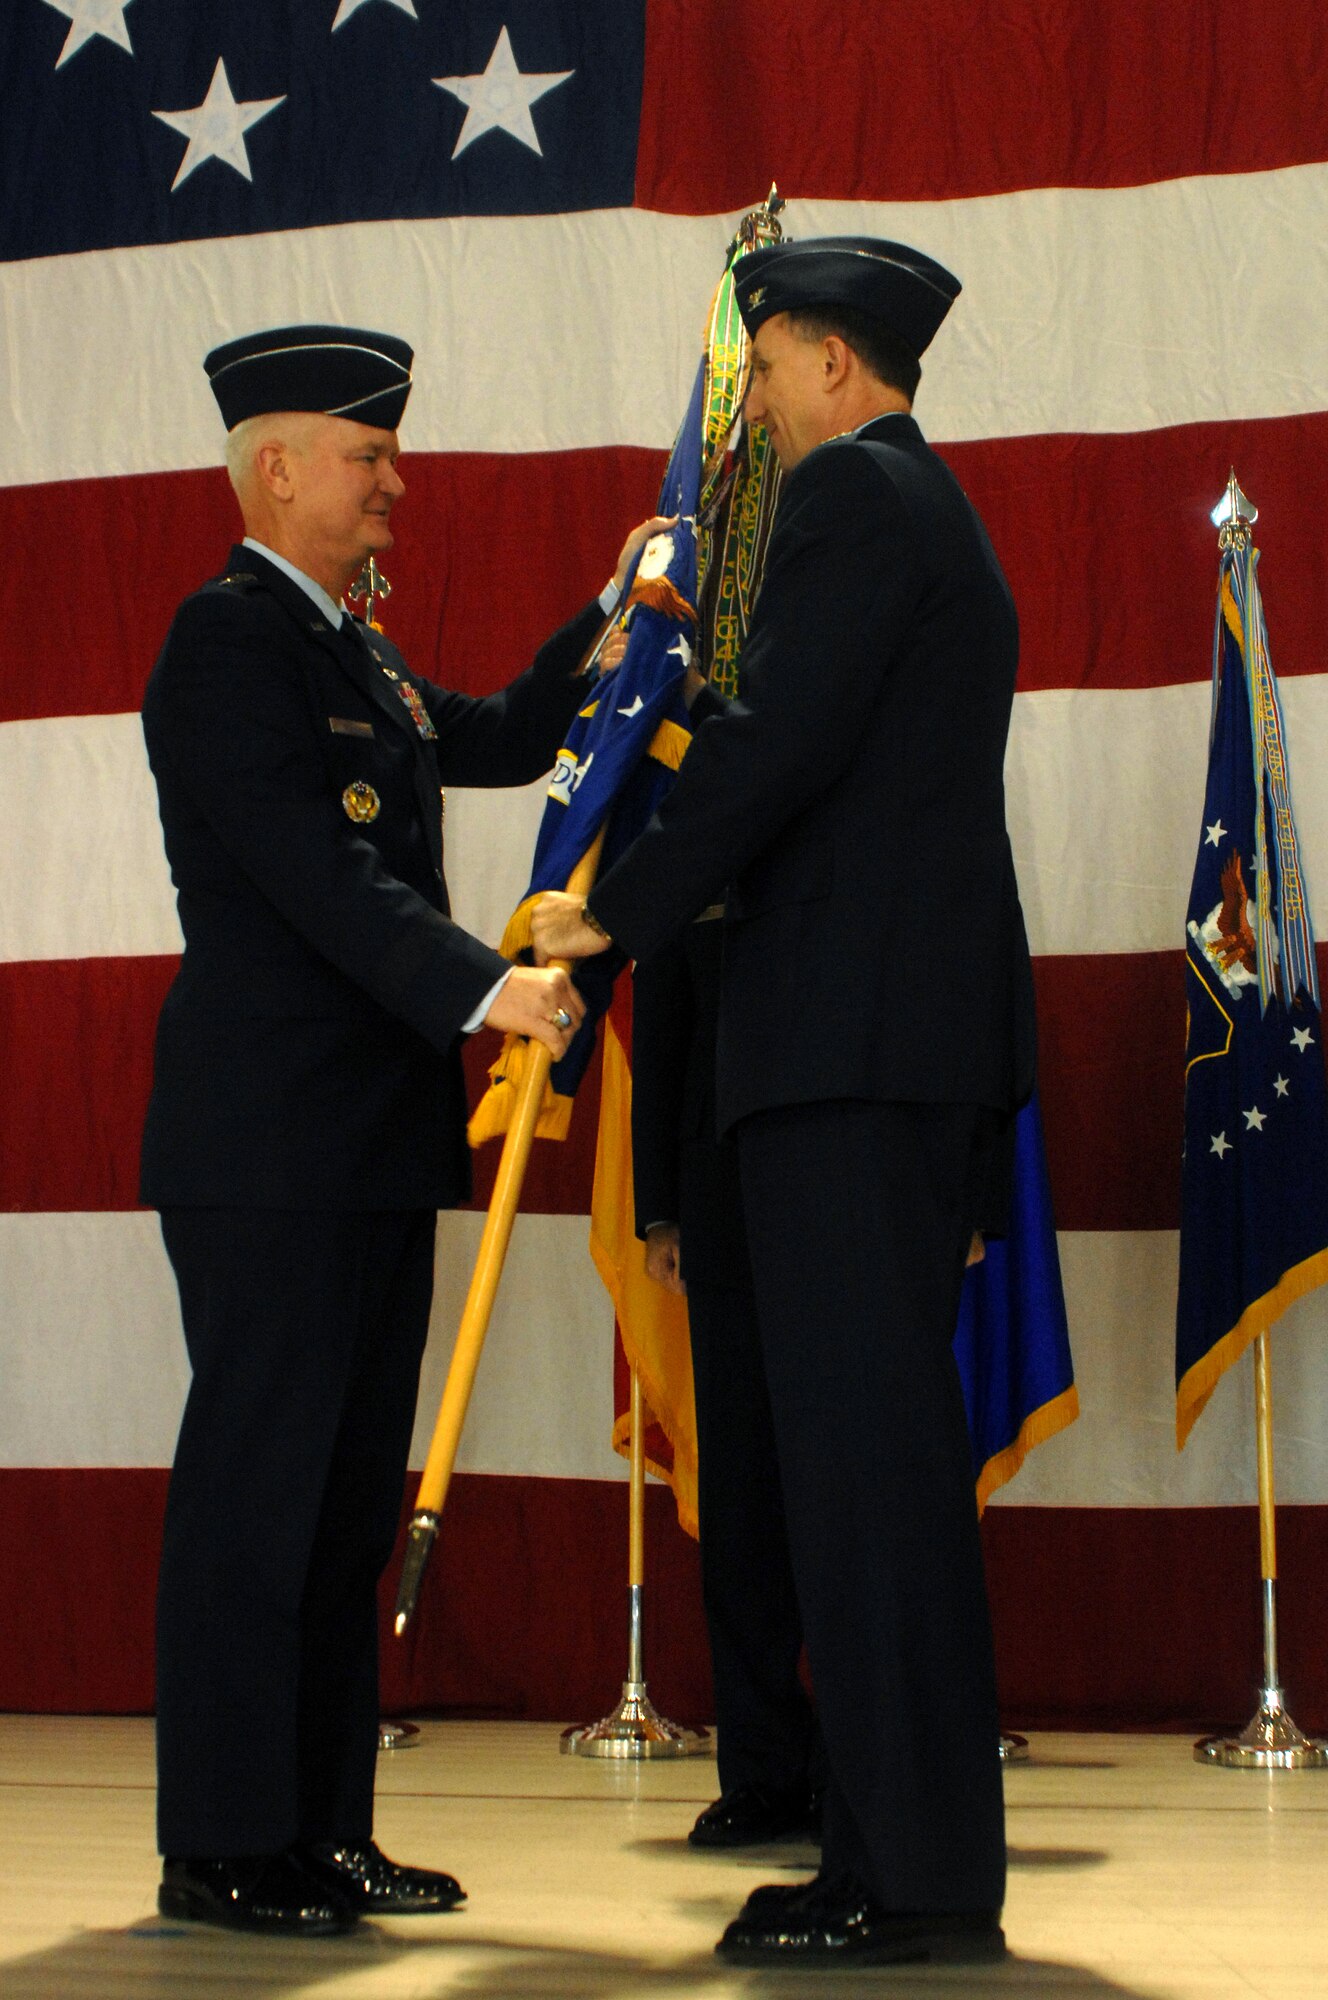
(437, 1473)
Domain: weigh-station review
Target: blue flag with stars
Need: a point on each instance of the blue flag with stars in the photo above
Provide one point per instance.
(1254, 1197)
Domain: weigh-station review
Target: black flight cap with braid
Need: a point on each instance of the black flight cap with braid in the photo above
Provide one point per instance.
(908, 292)
(337, 371)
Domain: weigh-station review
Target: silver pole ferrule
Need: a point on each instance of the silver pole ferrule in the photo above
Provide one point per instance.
(635, 1597)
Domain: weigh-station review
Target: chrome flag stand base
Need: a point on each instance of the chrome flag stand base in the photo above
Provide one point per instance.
(1270, 1741)
(1014, 1749)
(634, 1728)
(398, 1735)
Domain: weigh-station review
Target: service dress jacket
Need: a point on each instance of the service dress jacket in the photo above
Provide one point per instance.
(852, 800)
(308, 1052)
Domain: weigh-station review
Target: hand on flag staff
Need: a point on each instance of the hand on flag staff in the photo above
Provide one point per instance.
(543, 1005)
(559, 929)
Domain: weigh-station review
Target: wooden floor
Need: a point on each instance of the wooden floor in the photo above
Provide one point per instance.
(1135, 1873)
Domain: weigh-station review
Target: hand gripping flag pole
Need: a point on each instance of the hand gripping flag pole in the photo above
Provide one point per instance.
(1254, 1210)
(437, 1473)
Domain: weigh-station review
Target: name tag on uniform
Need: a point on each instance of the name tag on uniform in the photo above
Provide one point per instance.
(345, 725)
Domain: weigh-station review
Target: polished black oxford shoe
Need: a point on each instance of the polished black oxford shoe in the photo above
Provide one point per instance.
(265, 1892)
(750, 1816)
(833, 1921)
(373, 1885)
(771, 1896)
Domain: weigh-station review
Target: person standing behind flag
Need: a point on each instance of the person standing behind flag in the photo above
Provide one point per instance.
(876, 1034)
(307, 1120)
(689, 1214)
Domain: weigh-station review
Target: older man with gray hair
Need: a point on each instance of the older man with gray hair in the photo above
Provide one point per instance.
(307, 1121)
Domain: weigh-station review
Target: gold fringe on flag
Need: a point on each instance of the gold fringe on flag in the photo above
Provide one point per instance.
(1037, 1427)
(1199, 1382)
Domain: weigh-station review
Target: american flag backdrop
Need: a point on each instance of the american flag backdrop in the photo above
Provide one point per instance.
(538, 195)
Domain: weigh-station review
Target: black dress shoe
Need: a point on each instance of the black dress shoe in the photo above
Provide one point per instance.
(750, 1816)
(771, 1896)
(265, 1892)
(370, 1883)
(833, 1921)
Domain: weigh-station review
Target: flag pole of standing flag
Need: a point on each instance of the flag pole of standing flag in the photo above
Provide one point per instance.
(1254, 1185)
(688, 599)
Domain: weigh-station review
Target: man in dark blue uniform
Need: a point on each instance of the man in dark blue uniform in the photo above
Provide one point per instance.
(307, 1120)
(875, 1036)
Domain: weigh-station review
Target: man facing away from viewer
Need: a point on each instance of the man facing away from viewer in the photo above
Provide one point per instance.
(307, 1120)
(875, 1037)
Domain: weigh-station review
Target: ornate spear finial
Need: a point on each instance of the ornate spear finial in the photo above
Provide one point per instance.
(761, 225)
(1234, 516)
(370, 583)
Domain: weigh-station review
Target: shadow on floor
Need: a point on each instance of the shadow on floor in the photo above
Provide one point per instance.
(792, 1857)
(1036, 1762)
(158, 1961)
(1057, 1857)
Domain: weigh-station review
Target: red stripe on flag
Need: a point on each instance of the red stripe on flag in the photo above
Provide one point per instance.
(509, 1626)
(1111, 1062)
(1111, 553)
(942, 98)
(494, 551)
(1111, 1044)
(78, 1036)
(1111, 1030)
(1106, 540)
(1111, 1055)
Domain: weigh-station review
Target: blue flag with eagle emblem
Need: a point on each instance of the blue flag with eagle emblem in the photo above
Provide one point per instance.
(1254, 1194)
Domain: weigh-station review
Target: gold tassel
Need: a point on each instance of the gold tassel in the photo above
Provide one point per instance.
(493, 1113)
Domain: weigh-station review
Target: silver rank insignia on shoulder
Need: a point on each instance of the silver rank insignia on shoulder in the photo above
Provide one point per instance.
(361, 802)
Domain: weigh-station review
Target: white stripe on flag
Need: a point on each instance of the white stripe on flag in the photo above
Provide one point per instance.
(100, 1375)
(556, 333)
(1120, 1296)
(1105, 795)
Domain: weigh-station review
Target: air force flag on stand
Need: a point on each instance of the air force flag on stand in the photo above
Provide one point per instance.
(1254, 1199)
